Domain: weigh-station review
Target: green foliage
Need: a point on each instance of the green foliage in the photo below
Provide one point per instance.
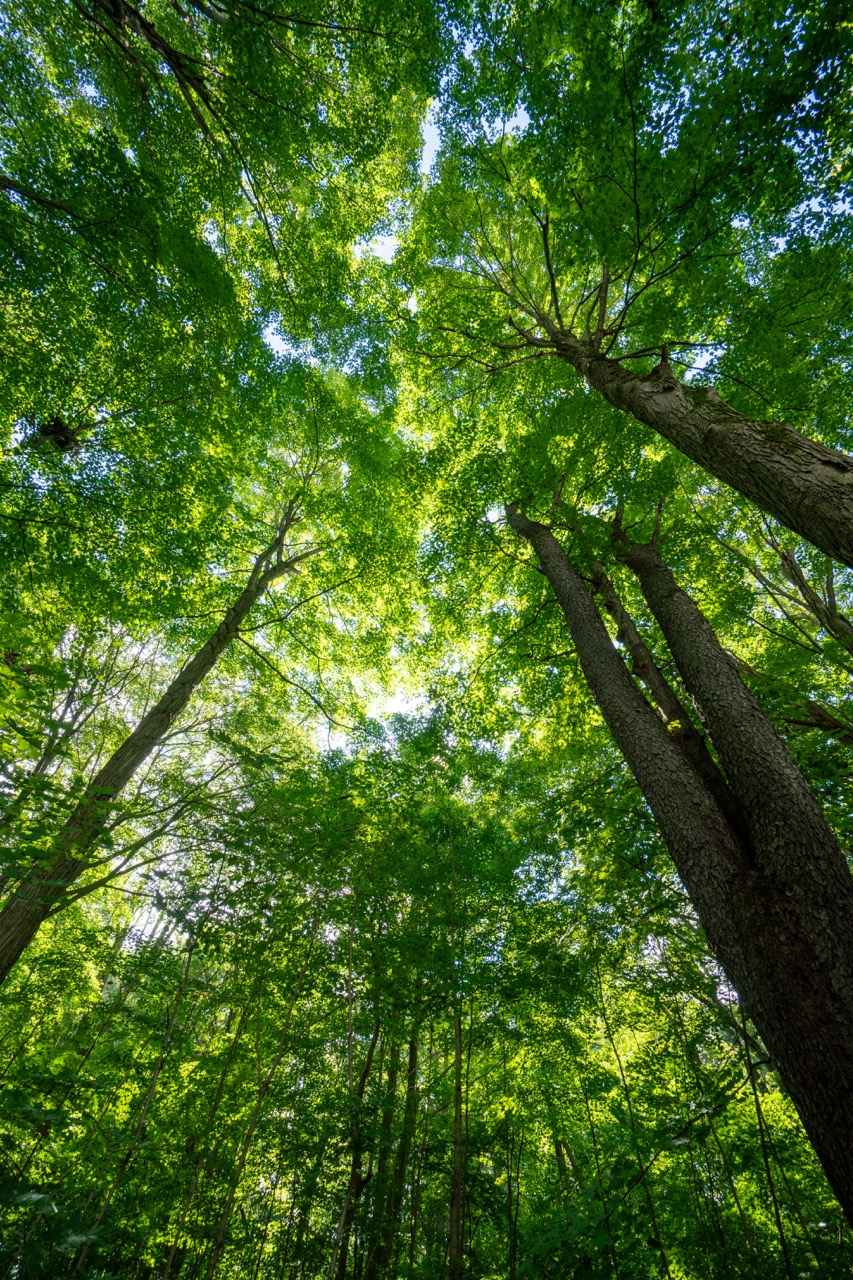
(392, 811)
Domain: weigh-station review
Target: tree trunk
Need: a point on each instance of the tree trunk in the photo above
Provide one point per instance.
(357, 1181)
(44, 890)
(708, 856)
(805, 485)
(245, 1147)
(796, 904)
(777, 907)
(382, 1259)
(457, 1190)
(382, 1188)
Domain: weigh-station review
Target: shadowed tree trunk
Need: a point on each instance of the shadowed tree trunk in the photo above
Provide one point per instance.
(380, 1258)
(43, 891)
(457, 1188)
(775, 896)
(383, 1183)
(357, 1180)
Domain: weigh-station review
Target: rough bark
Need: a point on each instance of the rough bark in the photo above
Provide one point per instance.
(708, 856)
(43, 890)
(777, 909)
(807, 486)
(799, 895)
(672, 710)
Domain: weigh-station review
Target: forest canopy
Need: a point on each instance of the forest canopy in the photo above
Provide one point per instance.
(426, 555)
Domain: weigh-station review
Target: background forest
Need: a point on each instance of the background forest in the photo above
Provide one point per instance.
(361, 361)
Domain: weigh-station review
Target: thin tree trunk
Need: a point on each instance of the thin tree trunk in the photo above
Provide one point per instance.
(47, 885)
(381, 1186)
(357, 1181)
(140, 1126)
(416, 1178)
(246, 1145)
(457, 1190)
(650, 1204)
(771, 1186)
(308, 1191)
(199, 1160)
(600, 1180)
(380, 1256)
(778, 909)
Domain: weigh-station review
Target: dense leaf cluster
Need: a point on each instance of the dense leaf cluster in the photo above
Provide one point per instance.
(367, 959)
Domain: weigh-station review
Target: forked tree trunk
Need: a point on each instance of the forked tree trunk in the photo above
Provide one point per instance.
(805, 485)
(44, 889)
(796, 906)
(775, 898)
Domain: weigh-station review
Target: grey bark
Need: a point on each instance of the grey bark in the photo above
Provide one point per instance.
(44, 889)
(777, 907)
(798, 897)
(807, 486)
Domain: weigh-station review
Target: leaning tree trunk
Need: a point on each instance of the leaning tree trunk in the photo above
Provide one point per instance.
(40, 893)
(804, 484)
(774, 896)
(799, 895)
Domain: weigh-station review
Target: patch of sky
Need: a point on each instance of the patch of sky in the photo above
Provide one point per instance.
(431, 140)
(383, 247)
(514, 126)
(398, 704)
(700, 359)
(287, 347)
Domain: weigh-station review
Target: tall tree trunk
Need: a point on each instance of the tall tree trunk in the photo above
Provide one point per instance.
(629, 1106)
(380, 1259)
(177, 1248)
(421, 1149)
(43, 891)
(382, 1188)
(357, 1180)
(777, 907)
(139, 1129)
(796, 905)
(242, 1153)
(307, 1199)
(457, 1189)
(805, 485)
